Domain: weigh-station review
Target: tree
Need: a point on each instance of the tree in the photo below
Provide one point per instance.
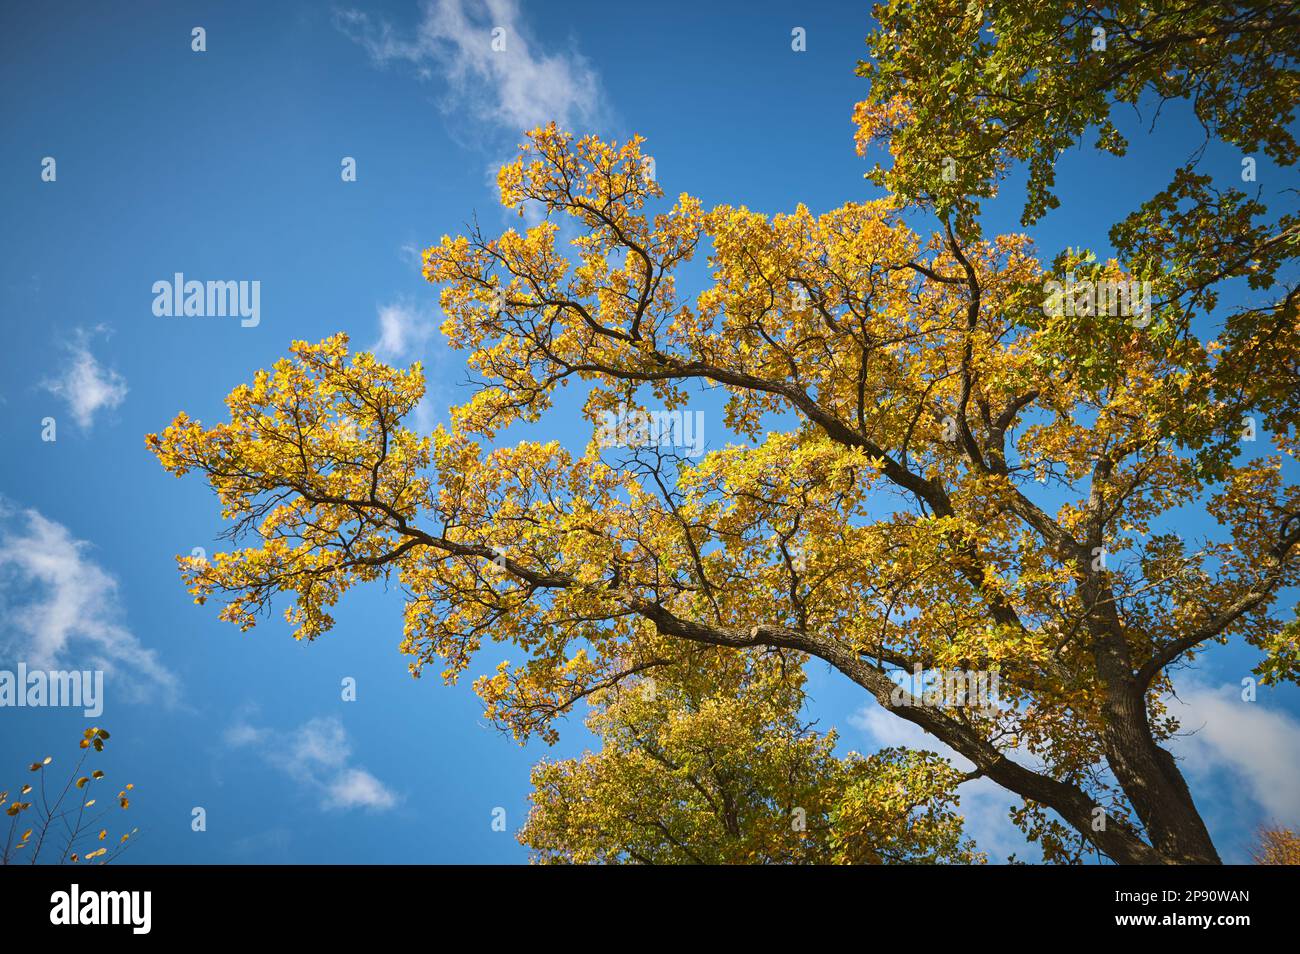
(989, 88)
(931, 468)
(708, 762)
(1277, 846)
(67, 829)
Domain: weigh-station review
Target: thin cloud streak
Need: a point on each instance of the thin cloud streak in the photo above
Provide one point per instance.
(318, 753)
(86, 385)
(61, 608)
(489, 62)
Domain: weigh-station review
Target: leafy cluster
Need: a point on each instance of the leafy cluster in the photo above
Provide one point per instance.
(709, 762)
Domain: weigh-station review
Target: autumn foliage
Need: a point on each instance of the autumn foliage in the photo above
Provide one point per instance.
(923, 467)
(1277, 846)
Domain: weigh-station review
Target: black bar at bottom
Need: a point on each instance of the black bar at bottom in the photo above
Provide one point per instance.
(535, 904)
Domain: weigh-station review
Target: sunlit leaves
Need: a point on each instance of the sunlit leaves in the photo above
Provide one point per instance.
(918, 465)
(961, 93)
(707, 761)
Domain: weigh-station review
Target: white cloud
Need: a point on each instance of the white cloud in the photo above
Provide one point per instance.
(412, 254)
(1255, 746)
(317, 753)
(357, 788)
(516, 87)
(61, 609)
(317, 746)
(87, 386)
(404, 331)
(241, 734)
(887, 730)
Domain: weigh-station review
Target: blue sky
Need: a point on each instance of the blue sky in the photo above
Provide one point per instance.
(225, 164)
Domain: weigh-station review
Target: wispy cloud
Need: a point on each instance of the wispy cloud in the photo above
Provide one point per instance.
(317, 753)
(1254, 745)
(492, 65)
(357, 788)
(404, 331)
(84, 383)
(60, 609)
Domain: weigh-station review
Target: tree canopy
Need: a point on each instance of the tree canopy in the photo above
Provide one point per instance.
(927, 467)
(709, 762)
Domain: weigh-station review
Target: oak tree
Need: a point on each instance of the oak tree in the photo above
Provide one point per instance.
(709, 761)
(926, 468)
